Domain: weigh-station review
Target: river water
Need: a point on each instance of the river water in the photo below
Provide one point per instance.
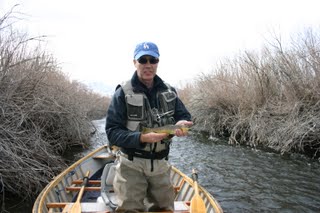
(244, 179)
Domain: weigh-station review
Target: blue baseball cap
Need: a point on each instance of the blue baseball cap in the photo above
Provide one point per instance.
(146, 48)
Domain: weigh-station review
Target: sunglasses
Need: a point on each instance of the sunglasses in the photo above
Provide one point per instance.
(144, 60)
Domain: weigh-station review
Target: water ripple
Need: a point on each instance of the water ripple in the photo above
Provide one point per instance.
(249, 180)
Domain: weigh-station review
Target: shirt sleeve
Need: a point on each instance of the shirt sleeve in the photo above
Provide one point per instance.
(116, 120)
(181, 112)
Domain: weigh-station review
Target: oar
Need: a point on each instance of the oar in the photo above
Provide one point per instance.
(197, 204)
(76, 207)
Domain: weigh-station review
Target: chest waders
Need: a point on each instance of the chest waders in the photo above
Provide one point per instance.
(140, 114)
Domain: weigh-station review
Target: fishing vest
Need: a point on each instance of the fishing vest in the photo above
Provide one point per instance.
(140, 114)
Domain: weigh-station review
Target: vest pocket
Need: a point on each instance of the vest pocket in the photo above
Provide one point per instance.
(168, 100)
(135, 108)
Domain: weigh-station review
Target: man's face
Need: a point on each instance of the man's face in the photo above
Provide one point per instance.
(146, 67)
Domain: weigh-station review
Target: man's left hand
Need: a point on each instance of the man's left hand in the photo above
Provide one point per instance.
(181, 133)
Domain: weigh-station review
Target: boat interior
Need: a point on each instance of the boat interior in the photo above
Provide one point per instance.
(98, 195)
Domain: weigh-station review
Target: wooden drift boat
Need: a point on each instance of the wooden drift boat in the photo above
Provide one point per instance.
(72, 191)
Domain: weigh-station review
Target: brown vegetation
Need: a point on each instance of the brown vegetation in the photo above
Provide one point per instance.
(270, 98)
(42, 113)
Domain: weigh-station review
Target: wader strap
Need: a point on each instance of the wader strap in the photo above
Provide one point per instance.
(153, 151)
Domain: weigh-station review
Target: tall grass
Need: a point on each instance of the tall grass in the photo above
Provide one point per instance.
(269, 98)
(42, 112)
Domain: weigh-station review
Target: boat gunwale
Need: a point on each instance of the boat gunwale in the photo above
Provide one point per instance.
(212, 200)
(56, 180)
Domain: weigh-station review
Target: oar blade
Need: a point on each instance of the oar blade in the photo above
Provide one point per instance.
(197, 205)
(76, 208)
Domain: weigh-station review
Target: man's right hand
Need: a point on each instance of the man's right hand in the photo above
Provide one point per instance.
(152, 137)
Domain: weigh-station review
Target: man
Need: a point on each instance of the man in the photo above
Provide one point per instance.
(143, 172)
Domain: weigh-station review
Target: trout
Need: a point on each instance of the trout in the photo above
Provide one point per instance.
(169, 129)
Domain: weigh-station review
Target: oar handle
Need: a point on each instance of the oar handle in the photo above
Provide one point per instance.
(197, 203)
(86, 178)
(85, 182)
(194, 175)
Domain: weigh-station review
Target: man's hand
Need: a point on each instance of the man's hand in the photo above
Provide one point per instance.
(181, 133)
(152, 137)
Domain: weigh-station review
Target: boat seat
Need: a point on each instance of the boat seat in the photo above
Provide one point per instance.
(87, 207)
(107, 194)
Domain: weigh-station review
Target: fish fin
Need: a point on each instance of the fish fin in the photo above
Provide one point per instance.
(145, 130)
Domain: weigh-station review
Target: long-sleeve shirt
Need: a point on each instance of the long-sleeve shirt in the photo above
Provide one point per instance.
(116, 120)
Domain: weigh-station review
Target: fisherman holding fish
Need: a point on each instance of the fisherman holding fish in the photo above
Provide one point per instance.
(144, 114)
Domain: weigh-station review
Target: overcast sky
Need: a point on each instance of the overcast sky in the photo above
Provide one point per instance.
(94, 40)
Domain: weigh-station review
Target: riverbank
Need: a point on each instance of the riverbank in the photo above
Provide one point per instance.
(267, 98)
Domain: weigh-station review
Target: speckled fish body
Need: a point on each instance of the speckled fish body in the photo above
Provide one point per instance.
(169, 129)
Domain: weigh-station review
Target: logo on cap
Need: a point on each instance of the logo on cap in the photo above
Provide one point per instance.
(145, 46)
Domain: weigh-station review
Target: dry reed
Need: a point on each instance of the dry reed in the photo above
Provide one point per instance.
(42, 113)
(269, 98)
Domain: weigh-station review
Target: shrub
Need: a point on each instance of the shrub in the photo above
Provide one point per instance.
(269, 98)
(42, 112)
